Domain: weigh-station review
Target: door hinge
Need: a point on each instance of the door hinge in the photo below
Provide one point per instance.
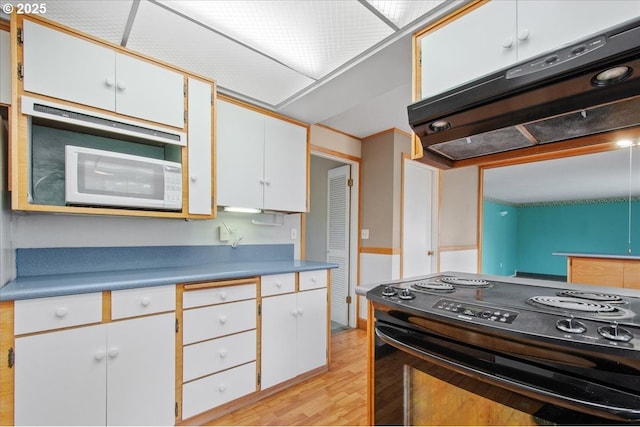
(350, 182)
(20, 71)
(259, 309)
(11, 358)
(184, 89)
(176, 409)
(348, 299)
(259, 378)
(20, 36)
(177, 326)
(213, 99)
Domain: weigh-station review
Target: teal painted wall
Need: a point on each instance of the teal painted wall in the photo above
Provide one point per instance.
(542, 230)
(499, 239)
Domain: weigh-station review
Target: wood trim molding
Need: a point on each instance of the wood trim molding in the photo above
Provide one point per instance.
(207, 285)
(381, 251)
(7, 374)
(337, 131)
(5, 26)
(315, 149)
(457, 248)
(239, 103)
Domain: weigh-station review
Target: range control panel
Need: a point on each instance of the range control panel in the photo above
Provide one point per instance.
(471, 311)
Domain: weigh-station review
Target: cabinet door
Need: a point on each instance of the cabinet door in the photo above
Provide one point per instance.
(475, 44)
(239, 156)
(60, 378)
(278, 351)
(5, 68)
(199, 145)
(285, 170)
(66, 67)
(141, 371)
(547, 25)
(312, 330)
(149, 92)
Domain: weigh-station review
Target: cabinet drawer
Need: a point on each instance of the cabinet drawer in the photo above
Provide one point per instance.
(217, 355)
(44, 314)
(313, 279)
(218, 320)
(141, 301)
(277, 284)
(206, 393)
(210, 296)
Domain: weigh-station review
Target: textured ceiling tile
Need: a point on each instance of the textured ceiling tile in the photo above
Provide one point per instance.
(104, 19)
(171, 38)
(403, 12)
(312, 37)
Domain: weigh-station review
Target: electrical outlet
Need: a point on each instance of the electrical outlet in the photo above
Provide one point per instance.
(223, 233)
(294, 234)
(364, 233)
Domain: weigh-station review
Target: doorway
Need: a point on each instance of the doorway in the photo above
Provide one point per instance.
(418, 219)
(331, 230)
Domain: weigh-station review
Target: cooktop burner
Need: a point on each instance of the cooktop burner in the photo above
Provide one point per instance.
(459, 281)
(594, 296)
(432, 285)
(571, 303)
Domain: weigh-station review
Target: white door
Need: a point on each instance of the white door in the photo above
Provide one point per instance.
(338, 219)
(285, 166)
(199, 147)
(312, 329)
(278, 351)
(417, 255)
(66, 67)
(141, 371)
(60, 378)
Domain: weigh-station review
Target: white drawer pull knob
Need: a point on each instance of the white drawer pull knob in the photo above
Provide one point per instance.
(278, 285)
(194, 178)
(523, 35)
(145, 301)
(223, 295)
(300, 311)
(122, 86)
(113, 352)
(223, 319)
(222, 353)
(108, 82)
(99, 355)
(61, 312)
(314, 279)
(222, 388)
(294, 312)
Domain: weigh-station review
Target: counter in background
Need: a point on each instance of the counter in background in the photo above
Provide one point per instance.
(622, 271)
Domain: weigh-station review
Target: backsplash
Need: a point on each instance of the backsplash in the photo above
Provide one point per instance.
(43, 261)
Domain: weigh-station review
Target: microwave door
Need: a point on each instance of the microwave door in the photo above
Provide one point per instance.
(113, 181)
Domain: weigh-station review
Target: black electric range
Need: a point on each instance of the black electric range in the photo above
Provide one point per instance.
(574, 347)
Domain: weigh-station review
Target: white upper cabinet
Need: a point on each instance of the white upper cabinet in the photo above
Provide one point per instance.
(547, 25)
(503, 32)
(66, 67)
(469, 47)
(200, 133)
(5, 68)
(261, 160)
(285, 166)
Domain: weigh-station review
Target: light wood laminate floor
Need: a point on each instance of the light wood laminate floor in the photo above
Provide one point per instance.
(337, 397)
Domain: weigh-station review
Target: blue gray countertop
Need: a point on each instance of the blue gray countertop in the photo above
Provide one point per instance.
(596, 255)
(67, 271)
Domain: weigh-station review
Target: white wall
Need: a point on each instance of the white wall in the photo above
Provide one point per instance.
(376, 268)
(47, 230)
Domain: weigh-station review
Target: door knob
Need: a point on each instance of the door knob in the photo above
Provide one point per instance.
(430, 253)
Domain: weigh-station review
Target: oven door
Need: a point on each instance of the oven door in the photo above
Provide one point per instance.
(423, 379)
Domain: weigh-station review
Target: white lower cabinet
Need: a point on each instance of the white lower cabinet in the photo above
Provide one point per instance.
(120, 373)
(294, 335)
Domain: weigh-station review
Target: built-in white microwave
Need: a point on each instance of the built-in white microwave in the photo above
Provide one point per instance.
(105, 178)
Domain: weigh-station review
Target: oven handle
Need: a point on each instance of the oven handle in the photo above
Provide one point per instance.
(509, 383)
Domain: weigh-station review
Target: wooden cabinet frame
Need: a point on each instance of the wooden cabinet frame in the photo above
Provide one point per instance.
(19, 142)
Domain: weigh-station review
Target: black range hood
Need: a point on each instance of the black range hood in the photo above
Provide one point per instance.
(564, 94)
